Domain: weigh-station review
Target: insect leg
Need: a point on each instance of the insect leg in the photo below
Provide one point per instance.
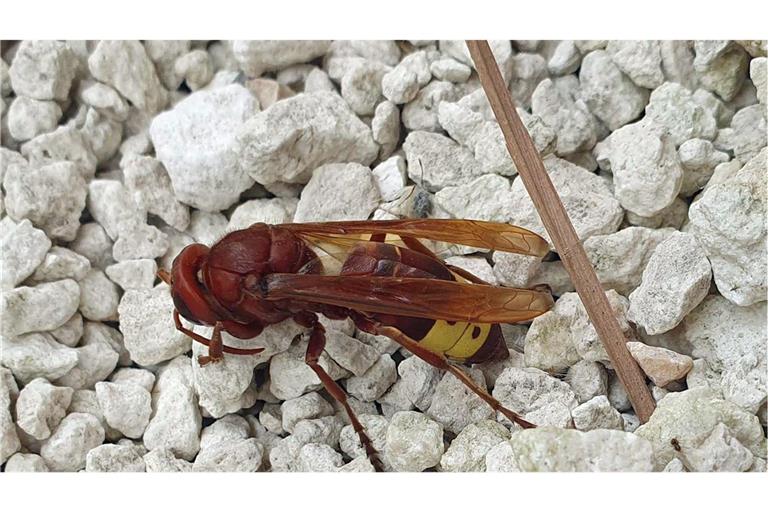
(314, 350)
(440, 361)
(216, 347)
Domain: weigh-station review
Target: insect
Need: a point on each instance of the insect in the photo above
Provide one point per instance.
(377, 273)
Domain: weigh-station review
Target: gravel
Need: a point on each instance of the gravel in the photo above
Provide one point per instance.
(117, 154)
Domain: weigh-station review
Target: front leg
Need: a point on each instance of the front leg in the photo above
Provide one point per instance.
(216, 347)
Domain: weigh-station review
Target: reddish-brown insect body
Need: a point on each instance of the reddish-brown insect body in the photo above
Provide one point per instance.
(376, 273)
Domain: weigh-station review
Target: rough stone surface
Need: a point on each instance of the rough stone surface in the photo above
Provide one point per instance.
(255, 57)
(455, 406)
(435, 161)
(414, 442)
(25, 462)
(536, 396)
(597, 413)
(68, 446)
(38, 308)
(468, 451)
(672, 107)
(40, 407)
(661, 365)
(338, 192)
(22, 249)
(43, 70)
(126, 407)
(28, 118)
(37, 354)
(9, 438)
(569, 117)
(111, 458)
(587, 380)
(640, 60)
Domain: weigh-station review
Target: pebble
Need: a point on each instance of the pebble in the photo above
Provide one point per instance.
(22, 249)
(40, 407)
(587, 199)
(320, 458)
(698, 159)
(65, 143)
(43, 70)
(647, 175)
(402, 83)
(106, 100)
(25, 462)
(484, 198)
(133, 274)
(609, 93)
(28, 118)
(146, 321)
(207, 227)
(338, 192)
(309, 406)
(111, 458)
(151, 188)
(137, 376)
(728, 221)
(526, 71)
(268, 92)
(267, 148)
(375, 428)
(565, 58)
(277, 210)
(691, 417)
(126, 407)
(587, 380)
(468, 450)
(126, 66)
(674, 282)
(620, 258)
(758, 72)
(661, 365)
(556, 102)
(67, 448)
(163, 460)
(98, 296)
(362, 86)
(37, 354)
(556, 449)
(97, 358)
(70, 332)
(51, 196)
(9, 392)
(43, 307)
(721, 451)
(730, 338)
(256, 57)
(597, 413)
(291, 377)
(673, 108)
(455, 406)
(746, 136)
(390, 177)
(536, 396)
(230, 456)
(435, 161)
(93, 243)
(723, 71)
(209, 177)
(419, 382)
(375, 381)
(420, 114)
(176, 421)
(450, 70)
(639, 60)
(413, 442)
(350, 353)
(359, 465)
(385, 128)
(196, 68)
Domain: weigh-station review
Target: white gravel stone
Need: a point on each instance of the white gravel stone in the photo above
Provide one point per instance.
(609, 93)
(350, 353)
(338, 192)
(587, 199)
(414, 442)
(22, 249)
(25, 462)
(560, 108)
(484, 198)
(587, 380)
(620, 258)
(140, 377)
(126, 66)
(722, 71)
(28, 118)
(419, 382)
(698, 159)
(196, 68)
(646, 171)
(420, 114)
(196, 142)
(297, 135)
(390, 177)
(50, 196)
(309, 406)
(111, 458)
(597, 413)
(231, 456)
(314, 457)
(284, 455)
(361, 86)
(98, 296)
(450, 70)
(150, 186)
(375, 381)
(728, 221)
(70, 332)
(455, 406)
(690, 417)
(163, 460)
(67, 448)
(661, 365)
(133, 274)
(39, 308)
(106, 100)
(126, 407)
(385, 127)
(468, 451)
(536, 396)
(675, 281)
(746, 136)
(672, 107)
(37, 355)
(554, 449)
(9, 439)
(376, 430)
(435, 161)
(207, 227)
(291, 377)
(176, 421)
(565, 58)
(97, 358)
(93, 243)
(43, 70)
(277, 210)
(64, 143)
(402, 83)
(146, 321)
(640, 60)
(255, 57)
(731, 339)
(40, 407)
(721, 451)
(526, 71)
(758, 72)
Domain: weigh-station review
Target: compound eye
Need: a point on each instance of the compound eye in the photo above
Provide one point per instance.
(189, 294)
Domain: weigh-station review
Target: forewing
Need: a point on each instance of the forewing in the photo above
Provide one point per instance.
(473, 233)
(412, 297)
